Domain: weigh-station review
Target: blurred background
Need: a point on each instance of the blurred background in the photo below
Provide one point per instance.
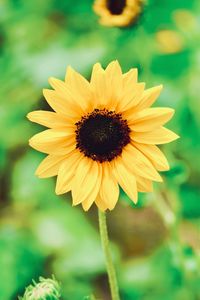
(155, 244)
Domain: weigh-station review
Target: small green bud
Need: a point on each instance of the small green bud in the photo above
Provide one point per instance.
(46, 289)
(91, 297)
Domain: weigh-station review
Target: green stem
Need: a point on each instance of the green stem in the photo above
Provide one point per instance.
(109, 264)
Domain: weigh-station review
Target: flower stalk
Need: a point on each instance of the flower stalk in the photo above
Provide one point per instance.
(109, 263)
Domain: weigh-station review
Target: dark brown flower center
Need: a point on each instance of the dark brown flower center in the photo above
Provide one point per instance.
(116, 7)
(102, 134)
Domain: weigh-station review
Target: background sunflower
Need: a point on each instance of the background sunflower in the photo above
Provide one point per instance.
(38, 39)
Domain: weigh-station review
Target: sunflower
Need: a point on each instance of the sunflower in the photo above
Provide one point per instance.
(102, 135)
(117, 12)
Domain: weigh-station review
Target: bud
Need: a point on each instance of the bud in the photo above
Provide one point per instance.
(46, 289)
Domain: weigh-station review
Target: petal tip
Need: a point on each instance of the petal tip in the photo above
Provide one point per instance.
(135, 201)
(30, 142)
(167, 168)
(45, 92)
(111, 207)
(172, 111)
(38, 174)
(113, 66)
(85, 208)
(70, 69)
(51, 80)
(57, 191)
(28, 116)
(97, 65)
(95, 70)
(103, 210)
(174, 137)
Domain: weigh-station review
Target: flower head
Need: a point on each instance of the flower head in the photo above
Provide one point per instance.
(46, 289)
(102, 135)
(119, 13)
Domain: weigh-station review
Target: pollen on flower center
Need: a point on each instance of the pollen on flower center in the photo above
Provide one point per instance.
(102, 134)
(116, 7)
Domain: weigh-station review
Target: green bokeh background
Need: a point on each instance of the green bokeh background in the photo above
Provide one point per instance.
(155, 244)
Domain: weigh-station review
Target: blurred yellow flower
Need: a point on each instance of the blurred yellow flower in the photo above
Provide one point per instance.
(169, 41)
(119, 13)
(102, 135)
(185, 20)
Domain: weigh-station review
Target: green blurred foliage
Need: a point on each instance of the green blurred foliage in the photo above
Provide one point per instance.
(40, 233)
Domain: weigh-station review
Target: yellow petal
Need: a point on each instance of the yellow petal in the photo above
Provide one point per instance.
(161, 135)
(125, 179)
(85, 179)
(79, 88)
(100, 203)
(67, 187)
(72, 95)
(49, 166)
(64, 92)
(109, 190)
(100, 87)
(113, 74)
(86, 204)
(58, 85)
(149, 97)
(61, 104)
(155, 155)
(139, 164)
(144, 185)
(131, 97)
(66, 172)
(150, 118)
(69, 147)
(146, 99)
(130, 78)
(49, 140)
(129, 87)
(97, 68)
(50, 119)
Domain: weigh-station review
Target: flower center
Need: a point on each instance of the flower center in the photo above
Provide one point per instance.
(116, 7)
(102, 134)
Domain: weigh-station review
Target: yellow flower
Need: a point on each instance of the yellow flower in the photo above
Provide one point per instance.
(102, 135)
(117, 12)
(169, 41)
